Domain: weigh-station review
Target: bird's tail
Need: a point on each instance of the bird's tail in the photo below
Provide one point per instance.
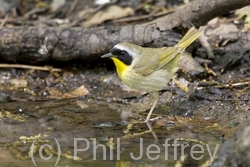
(189, 37)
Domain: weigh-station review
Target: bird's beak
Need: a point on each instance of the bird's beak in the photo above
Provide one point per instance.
(107, 55)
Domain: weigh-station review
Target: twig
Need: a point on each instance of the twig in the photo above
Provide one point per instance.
(74, 23)
(136, 18)
(34, 11)
(13, 20)
(205, 44)
(45, 68)
(180, 85)
(72, 7)
(233, 85)
(219, 85)
(4, 20)
(209, 70)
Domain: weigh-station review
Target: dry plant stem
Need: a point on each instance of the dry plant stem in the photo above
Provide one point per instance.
(209, 71)
(72, 7)
(233, 85)
(34, 11)
(136, 18)
(180, 85)
(206, 45)
(238, 84)
(45, 68)
(89, 14)
(4, 20)
(129, 136)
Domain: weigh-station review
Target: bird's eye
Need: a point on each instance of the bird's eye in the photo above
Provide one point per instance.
(122, 53)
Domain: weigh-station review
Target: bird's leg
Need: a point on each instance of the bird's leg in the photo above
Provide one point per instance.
(156, 97)
(153, 133)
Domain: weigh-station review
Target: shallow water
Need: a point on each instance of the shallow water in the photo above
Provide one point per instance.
(58, 132)
(107, 118)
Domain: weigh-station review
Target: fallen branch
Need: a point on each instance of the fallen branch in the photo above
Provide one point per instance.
(45, 68)
(41, 44)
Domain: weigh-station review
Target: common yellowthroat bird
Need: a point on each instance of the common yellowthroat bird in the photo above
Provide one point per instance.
(149, 69)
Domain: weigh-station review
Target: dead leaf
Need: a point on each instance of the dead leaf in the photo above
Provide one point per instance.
(81, 104)
(19, 83)
(189, 65)
(81, 91)
(112, 12)
(84, 12)
(56, 4)
(55, 94)
(224, 31)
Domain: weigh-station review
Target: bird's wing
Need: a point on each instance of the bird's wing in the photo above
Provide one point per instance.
(154, 59)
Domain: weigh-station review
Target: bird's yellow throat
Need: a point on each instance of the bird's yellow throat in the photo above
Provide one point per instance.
(120, 66)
